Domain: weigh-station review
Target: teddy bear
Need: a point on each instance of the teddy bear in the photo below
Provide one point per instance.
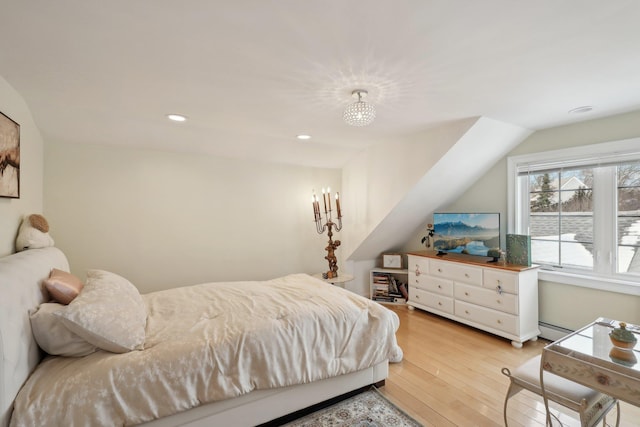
(33, 233)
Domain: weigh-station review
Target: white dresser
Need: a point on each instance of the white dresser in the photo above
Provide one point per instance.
(500, 299)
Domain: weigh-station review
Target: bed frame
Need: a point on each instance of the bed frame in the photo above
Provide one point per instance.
(21, 275)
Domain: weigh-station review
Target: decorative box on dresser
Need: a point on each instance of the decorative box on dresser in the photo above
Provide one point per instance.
(498, 298)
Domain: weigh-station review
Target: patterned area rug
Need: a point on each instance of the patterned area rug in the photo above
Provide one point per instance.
(368, 409)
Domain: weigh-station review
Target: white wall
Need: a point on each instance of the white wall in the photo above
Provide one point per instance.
(380, 177)
(31, 147)
(164, 219)
(377, 180)
(561, 305)
(394, 186)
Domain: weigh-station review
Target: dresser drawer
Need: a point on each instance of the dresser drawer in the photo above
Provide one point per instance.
(487, 298)
(428, 299)
(418, 265)
(508, 282)
(432, 284)
(486, 316)
(457, 272)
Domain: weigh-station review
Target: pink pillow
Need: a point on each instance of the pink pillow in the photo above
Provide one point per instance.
(62, 286)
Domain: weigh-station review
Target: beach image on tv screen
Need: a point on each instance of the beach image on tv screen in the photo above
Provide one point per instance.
(472, 234)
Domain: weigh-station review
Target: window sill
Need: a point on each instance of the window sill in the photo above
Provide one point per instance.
(600, 283)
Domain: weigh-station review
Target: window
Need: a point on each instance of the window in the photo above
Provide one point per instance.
(581, 207)
(561, 217)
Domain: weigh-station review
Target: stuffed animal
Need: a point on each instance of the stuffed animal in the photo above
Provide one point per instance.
(33, 233)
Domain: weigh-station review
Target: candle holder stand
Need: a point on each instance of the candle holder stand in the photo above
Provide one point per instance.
(328, 225)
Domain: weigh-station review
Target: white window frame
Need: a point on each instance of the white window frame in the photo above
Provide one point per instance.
(518, 208)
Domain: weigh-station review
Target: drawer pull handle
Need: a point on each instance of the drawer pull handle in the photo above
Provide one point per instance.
(466, 311)
(439, 287)
(499, 301)
(499, 290)
(466, 294)
(499, 281)
(499, 322)
(417, 296)
(439, 303)
(466, 274)
(439, 270)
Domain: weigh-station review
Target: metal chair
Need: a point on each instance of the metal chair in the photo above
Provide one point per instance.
(591, 405)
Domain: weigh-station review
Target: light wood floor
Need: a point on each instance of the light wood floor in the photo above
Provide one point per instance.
(450, 376)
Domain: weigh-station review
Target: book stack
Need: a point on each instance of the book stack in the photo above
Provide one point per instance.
(387, 289)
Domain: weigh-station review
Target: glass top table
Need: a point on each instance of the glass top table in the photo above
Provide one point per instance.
(588, 357)
(338, 281)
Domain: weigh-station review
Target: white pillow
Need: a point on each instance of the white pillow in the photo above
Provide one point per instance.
(53, 337)
(109, 313)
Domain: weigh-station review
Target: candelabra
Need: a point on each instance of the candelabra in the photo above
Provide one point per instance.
(329, 225)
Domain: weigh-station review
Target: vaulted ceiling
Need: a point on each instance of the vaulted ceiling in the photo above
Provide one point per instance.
(250, 75)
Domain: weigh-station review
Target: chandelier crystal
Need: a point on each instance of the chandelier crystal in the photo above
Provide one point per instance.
(359, 113)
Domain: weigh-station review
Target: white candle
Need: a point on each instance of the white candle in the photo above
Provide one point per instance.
(324, 200)
(313, 203)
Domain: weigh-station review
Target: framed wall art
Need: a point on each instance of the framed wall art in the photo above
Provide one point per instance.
(9, 158)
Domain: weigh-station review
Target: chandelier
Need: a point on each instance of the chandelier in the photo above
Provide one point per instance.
(359, 113)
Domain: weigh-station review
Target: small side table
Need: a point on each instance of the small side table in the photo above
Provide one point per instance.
(338, 281)
(588, 357)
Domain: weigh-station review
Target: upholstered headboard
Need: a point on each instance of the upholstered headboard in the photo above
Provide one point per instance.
(21, 275)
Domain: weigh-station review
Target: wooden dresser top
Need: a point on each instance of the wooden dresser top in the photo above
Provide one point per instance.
(472, 260)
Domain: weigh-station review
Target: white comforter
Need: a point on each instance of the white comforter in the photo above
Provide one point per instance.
(210, 342)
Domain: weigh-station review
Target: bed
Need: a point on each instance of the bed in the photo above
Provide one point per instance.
(235, 353)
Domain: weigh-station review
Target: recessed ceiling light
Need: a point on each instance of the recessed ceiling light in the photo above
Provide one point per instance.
(303, 136)
(580, 110)
(176, 117)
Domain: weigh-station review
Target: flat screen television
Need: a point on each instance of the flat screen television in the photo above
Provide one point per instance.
(467, 233)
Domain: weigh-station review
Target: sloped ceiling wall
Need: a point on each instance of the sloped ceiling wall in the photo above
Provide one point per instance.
(391, 189)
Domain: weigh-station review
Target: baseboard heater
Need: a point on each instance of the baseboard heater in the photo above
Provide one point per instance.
(552, 332)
